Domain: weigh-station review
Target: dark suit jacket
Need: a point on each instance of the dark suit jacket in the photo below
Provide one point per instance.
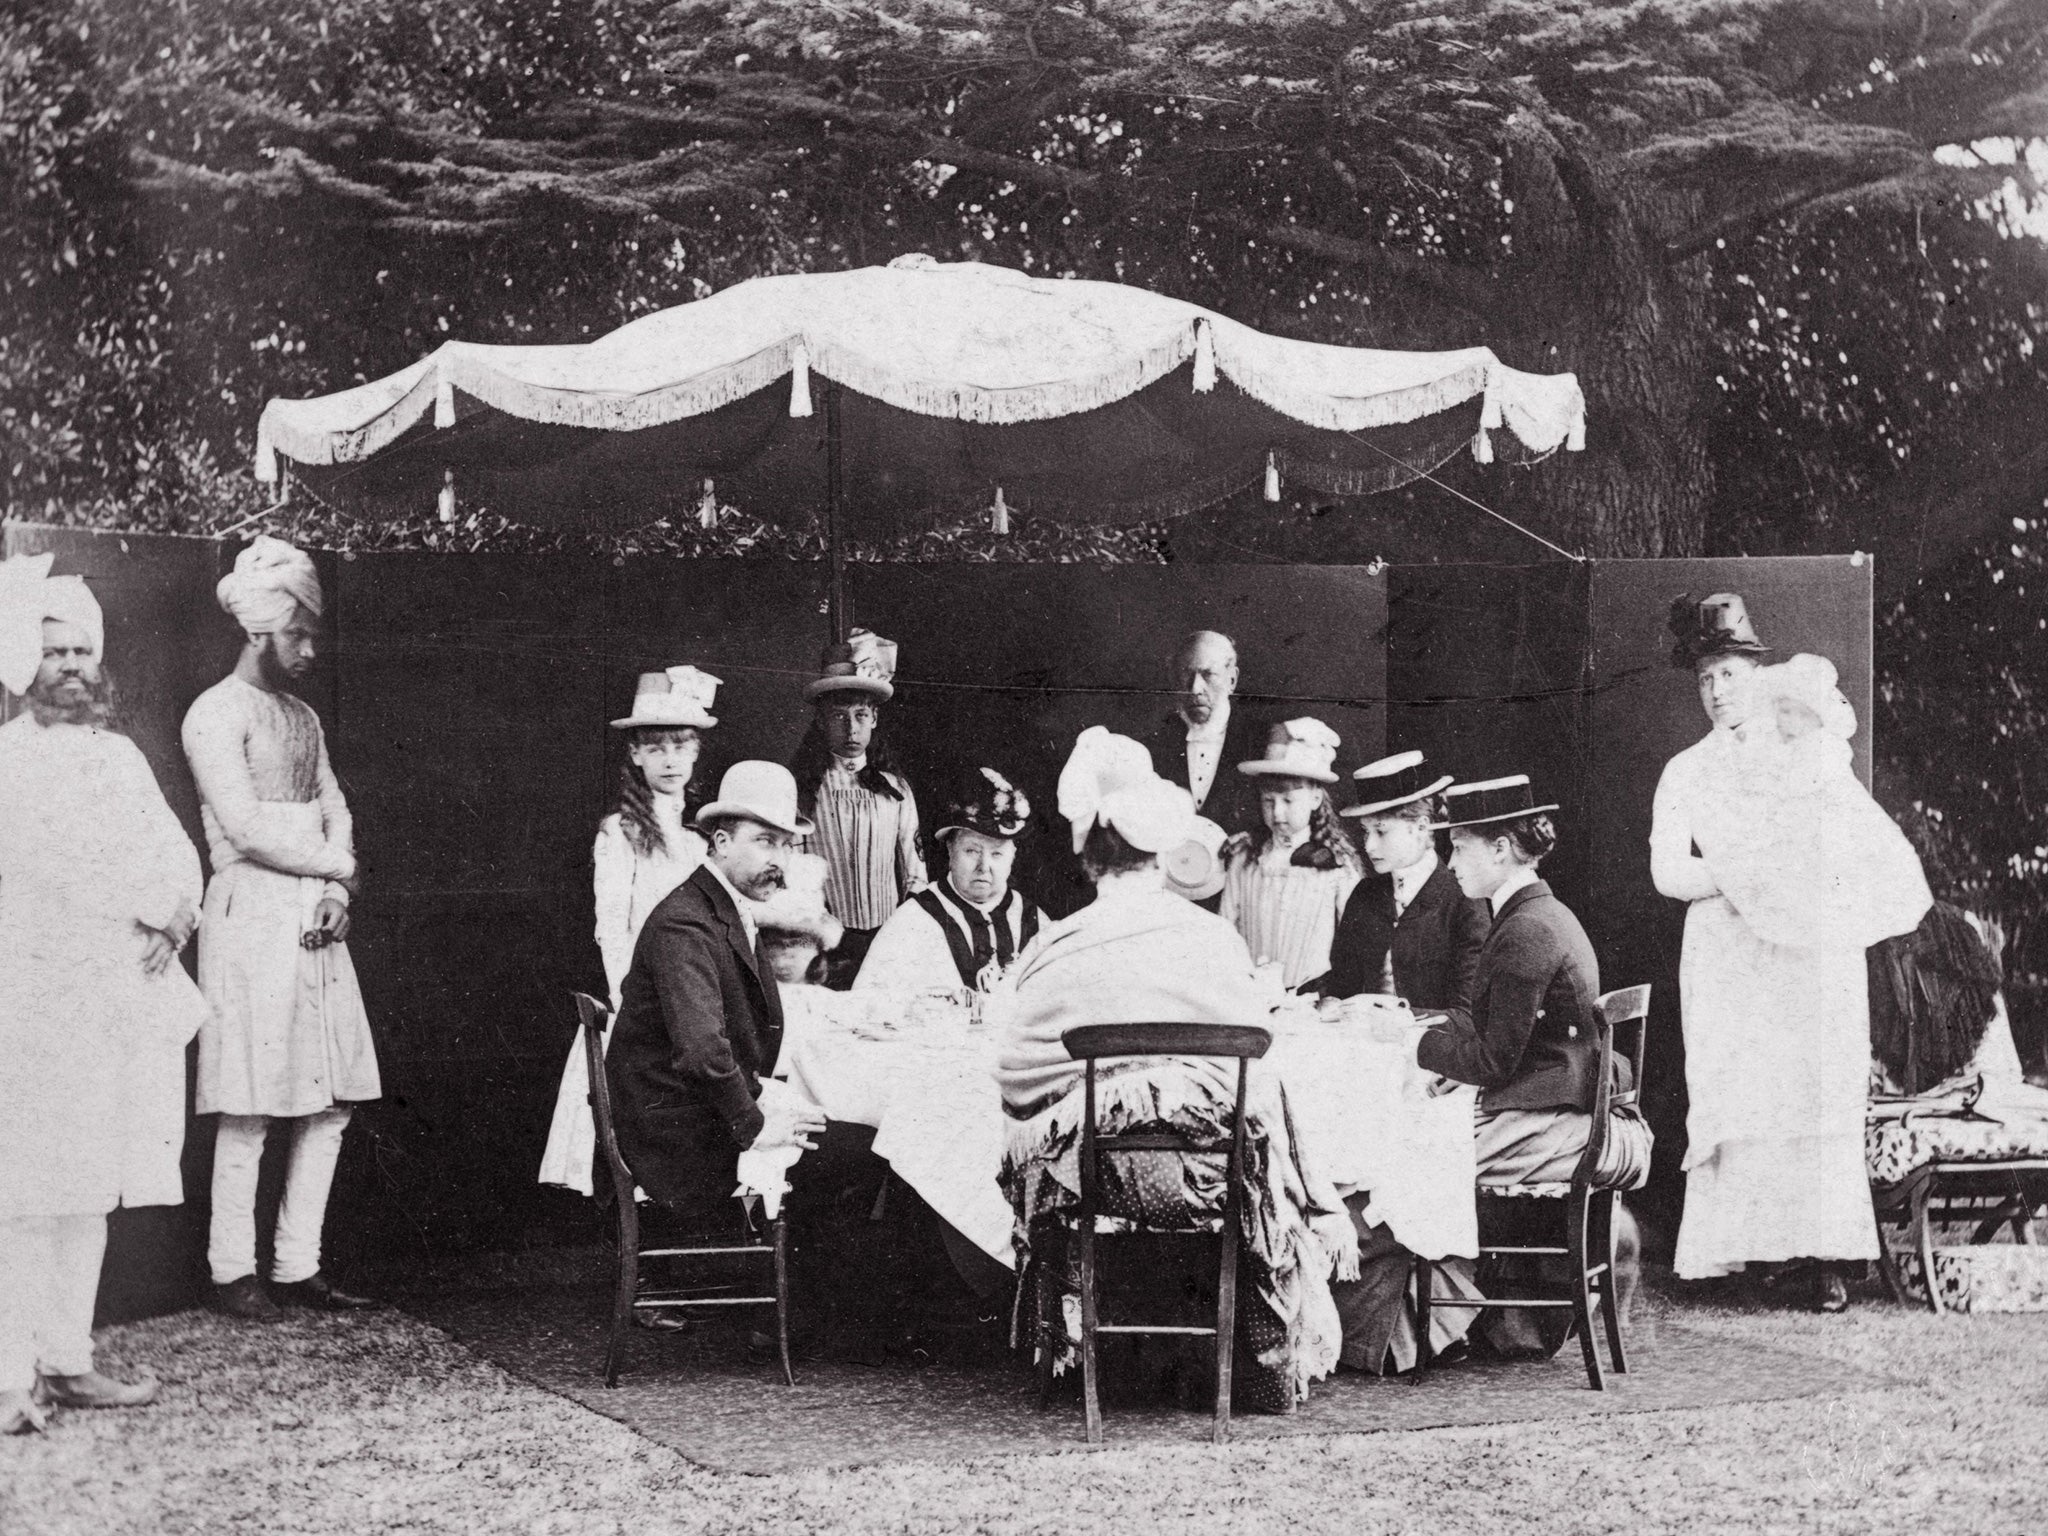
(1530, 1039)
(1436, 943)
(700, 1024)
(1233, 802)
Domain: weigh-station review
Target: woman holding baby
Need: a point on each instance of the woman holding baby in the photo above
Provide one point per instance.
(1792, 871)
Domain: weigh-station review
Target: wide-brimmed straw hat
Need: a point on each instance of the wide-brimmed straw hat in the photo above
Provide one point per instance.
(1297, 749)
(1714, 626)
(1478, 805)
(983, 800)
(674, 698)
(865, 663)
(759, 791)
(1393, 782)
(799, 907)
(1194, 868)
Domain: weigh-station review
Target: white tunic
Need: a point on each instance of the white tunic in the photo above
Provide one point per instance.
(92, 1049)
(287, 1035)
(1777, 1049)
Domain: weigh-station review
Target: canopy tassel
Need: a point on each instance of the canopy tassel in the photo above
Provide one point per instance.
(800, 381)
(999, 514)
(446, 500)
(1272, 478)
(1575, 440)
(707, 506)
(1205, 358)
(1490, 417)
(444, 399)
(266, 458)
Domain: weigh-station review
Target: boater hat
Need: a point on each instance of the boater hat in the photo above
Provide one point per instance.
(1393, 782)
(763, 792)
(1477, 805)
(1714, 626)
(677, 697)
(864, 664)
(1297, 749)
(984, 801)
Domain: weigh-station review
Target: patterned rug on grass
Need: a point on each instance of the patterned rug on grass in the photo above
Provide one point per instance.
(701, 1394)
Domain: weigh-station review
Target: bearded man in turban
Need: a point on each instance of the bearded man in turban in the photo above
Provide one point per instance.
(288, 1038)
(99, 891)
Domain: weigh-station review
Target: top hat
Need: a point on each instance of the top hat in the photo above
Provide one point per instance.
(759, 791)
(863, 664)
(1297, 749)
(1714, 626)
(676, 697)
(799, 907)
(1477, 805)
(1395, 781)
(983, 801)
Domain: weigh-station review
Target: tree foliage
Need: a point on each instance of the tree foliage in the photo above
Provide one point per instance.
(1785, 243)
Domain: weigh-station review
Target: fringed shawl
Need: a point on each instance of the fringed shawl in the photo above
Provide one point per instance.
(1933, 993)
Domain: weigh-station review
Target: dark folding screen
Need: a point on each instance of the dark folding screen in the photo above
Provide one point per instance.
(467, 702)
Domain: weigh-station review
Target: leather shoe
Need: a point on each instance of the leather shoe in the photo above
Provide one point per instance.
(94, 1390)
(246, 1299)
(19, 1414)
(316, 1293)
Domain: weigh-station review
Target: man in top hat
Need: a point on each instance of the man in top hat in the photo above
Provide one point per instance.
(1198, 744)
(866, 816)
(99, 891)
(967, 929)
(1407, 931)
(288, 1039)
(700, 1021)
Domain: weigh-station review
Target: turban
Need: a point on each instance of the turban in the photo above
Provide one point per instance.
(269, 580)
(1108, 781)
(29, 594)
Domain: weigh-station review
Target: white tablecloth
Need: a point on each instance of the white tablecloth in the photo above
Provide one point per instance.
(1361, 1110)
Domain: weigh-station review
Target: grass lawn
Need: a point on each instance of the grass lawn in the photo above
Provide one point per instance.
(380, 1423)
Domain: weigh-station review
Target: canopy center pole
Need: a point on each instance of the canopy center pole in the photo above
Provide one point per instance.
(835, 515)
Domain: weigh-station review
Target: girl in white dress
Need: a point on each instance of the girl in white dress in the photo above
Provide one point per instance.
(644, 850)
(1286, 886)
(1777, 1039)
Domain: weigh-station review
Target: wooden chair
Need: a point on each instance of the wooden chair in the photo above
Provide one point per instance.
(1096, 1042)
(628, 1297)
(1588, 1239)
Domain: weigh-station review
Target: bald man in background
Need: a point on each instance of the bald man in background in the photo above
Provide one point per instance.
(1200, 744)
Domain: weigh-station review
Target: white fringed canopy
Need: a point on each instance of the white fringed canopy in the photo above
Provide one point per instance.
(956, 382)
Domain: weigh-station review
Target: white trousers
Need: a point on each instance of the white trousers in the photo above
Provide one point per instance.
(49, 1279)
(237, 1150)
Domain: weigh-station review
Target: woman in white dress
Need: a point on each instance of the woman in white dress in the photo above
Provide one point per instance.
(1286, 887)
(1776, 1017)
(644, 850)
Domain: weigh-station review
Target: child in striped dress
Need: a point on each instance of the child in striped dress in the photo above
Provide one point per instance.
(863, 810)
(1286, 886)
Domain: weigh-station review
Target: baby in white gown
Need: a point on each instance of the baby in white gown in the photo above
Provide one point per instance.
(1816, 862)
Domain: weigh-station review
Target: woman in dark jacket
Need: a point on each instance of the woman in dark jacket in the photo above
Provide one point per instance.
(1407, 930)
